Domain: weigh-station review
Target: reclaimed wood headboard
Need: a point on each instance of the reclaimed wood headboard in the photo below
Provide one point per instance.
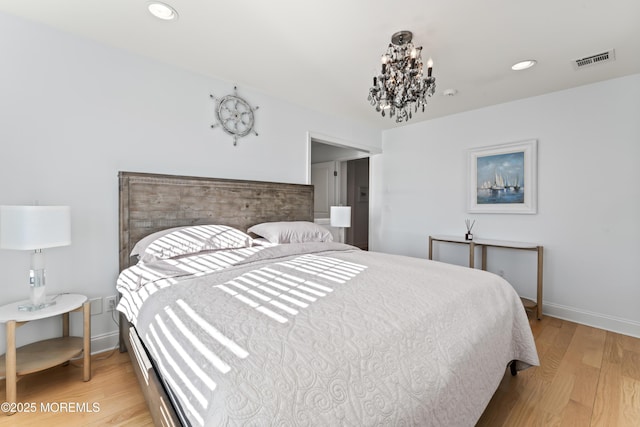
(152, 202)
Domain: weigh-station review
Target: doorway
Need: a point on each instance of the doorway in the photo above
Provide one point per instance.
(340, 176)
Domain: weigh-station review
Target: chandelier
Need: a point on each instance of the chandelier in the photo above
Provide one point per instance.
(401, 87)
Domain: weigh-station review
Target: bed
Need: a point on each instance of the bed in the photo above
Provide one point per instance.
(299, 330)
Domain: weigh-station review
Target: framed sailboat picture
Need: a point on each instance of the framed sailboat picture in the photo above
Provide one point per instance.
(503, 178)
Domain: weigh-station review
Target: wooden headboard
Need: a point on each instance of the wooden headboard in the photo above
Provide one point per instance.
(151, 202)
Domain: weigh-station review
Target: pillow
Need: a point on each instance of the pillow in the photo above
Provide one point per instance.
(261, 241)
(188, 240)
(292, 232)
(138, 248)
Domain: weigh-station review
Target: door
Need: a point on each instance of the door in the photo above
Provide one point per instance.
(323, 179)
(358, 199)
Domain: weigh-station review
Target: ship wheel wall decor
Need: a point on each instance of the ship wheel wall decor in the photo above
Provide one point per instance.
(234, 115)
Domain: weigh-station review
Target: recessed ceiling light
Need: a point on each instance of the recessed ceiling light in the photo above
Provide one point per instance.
(523, 65)
(450, 92)
(162, 11)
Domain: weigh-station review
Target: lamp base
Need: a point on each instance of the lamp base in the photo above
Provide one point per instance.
(37, 288)
(35, 307)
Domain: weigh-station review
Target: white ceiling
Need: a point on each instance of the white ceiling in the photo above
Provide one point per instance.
(323, 53)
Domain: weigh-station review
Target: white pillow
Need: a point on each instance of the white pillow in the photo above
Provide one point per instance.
(188, 240)
(292, 232)
(138, 248)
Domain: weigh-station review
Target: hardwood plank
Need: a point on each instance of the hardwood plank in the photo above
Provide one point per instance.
(557, 395)
(587, 347)
(585, 384)
(576, 415)
(113, 387)
(618, 398)
(613, 348)
(608, 397)
(551, 358)
(630, 405)
(587, 377)
(631, 365)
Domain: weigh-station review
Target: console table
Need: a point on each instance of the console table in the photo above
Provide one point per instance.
(487, 243)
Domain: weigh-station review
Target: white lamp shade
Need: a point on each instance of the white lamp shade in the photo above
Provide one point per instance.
(340, 216)
(34, 227)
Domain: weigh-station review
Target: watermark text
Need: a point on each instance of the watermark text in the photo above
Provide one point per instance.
(50, 407)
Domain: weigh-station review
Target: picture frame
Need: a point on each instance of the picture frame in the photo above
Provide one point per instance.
(503, 178)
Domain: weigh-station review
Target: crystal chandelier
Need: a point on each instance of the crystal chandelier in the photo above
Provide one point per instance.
(401, 86)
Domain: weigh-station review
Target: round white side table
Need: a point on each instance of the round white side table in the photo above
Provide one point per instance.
(44, 354)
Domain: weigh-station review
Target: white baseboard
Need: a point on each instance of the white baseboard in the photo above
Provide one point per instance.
(597, 320)
(104, 342)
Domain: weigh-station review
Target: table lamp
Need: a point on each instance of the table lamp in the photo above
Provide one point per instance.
(340, 217)
(33, 228)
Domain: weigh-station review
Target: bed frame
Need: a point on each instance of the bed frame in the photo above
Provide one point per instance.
(151, 202)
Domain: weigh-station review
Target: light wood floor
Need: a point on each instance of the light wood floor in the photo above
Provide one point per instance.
(113, 387)
(587, 377)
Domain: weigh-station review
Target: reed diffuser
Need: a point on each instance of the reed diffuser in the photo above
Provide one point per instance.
(469, 224)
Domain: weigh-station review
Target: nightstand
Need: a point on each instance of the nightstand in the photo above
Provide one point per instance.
(45, 354)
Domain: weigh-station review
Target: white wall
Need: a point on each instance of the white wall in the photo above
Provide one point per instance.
(588, 202)
(75, 112)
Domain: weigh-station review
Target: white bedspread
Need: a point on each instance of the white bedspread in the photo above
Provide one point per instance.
(327, 335)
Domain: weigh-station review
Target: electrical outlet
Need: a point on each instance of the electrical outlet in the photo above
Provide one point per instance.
(110, 302)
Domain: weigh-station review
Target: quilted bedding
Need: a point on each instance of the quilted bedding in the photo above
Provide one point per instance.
(326, 334)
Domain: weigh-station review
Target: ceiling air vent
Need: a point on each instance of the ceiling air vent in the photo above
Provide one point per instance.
(600, 58)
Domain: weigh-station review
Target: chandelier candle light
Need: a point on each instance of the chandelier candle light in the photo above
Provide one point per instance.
(401, 86)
